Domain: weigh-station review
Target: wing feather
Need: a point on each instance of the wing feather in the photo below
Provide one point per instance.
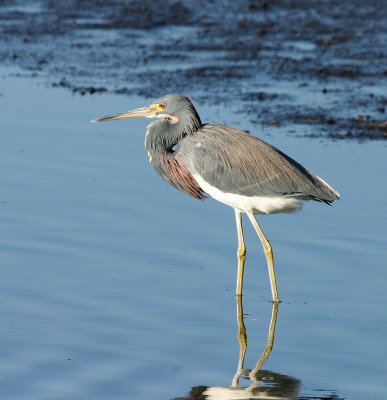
(236, 162)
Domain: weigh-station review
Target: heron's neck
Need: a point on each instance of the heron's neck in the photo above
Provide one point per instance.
(161, 140)
(162, 135)
(162, 147)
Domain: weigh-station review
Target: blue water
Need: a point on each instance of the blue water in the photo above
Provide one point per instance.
(115, 286)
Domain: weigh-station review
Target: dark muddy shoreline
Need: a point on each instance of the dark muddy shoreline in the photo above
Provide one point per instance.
(282, 63)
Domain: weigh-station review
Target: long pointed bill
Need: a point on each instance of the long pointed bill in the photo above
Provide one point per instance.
(149, 112)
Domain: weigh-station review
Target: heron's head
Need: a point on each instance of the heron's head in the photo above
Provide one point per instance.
(172, 108)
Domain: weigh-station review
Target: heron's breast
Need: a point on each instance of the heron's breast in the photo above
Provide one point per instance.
(178, 175)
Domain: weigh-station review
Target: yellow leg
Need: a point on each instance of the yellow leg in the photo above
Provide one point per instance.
(241, 253)
(269, 257)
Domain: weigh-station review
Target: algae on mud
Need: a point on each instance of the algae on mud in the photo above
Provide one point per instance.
(314, 63)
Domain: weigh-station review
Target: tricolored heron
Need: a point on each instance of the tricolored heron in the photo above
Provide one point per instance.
(231, 166)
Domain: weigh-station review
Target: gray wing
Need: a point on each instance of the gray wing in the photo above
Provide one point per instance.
(236, 162)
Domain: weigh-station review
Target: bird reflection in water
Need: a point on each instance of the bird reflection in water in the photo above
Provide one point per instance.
(263, 384)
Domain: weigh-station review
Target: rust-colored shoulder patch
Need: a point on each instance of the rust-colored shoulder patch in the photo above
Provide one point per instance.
(180, 177)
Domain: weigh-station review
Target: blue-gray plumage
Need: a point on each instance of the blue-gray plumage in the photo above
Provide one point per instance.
(236, 162)
(231, 166)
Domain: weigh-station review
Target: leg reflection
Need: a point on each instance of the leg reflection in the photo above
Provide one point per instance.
(266, 351)
(262, 384)
(242, 339)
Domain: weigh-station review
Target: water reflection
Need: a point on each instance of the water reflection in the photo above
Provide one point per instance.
(262, 384)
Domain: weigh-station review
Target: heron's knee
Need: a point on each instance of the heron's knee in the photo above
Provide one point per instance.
(267, 248)
(241, 251)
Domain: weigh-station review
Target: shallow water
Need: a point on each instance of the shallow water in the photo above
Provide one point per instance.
(113, 285)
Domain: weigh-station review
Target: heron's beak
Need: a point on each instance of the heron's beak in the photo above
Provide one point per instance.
(149, 112)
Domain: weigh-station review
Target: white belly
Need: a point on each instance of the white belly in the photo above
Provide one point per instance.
(254, 204)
